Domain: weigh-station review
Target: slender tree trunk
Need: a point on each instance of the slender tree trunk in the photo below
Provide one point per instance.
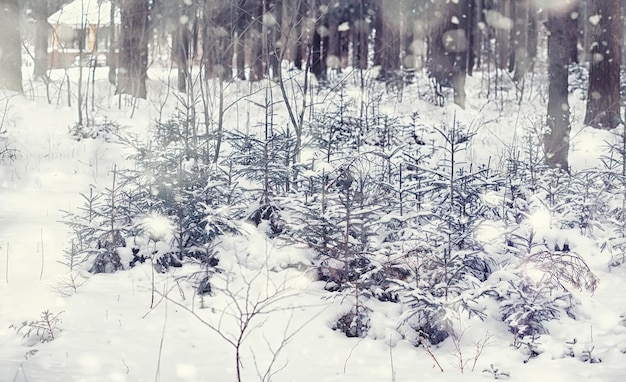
(273, 16)
(10, 46)
(301, 44)
(503, 35)
(520, 38)
(360, 36)
(319, 43)
(112, 56)
(182, 47)
(387, 41)
(240, 51)
(603, 101)
(533, 38)
(448, 49)
(219, 40)
(556, 140)
(42, 31)
(255, 42)
(333, 51)
(134, 48)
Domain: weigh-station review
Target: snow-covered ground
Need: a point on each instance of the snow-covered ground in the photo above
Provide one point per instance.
(136, 325)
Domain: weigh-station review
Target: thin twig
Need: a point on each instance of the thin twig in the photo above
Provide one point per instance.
(6, 271)
(42, 254)
(345, 364)
(158, 370)
(430, 353)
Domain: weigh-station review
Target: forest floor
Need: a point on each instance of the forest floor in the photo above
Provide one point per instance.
(120, 327)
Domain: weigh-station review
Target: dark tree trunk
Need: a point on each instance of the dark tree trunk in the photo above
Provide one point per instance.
(301, 35)
(317, 64)
(319, 43)
(273, 11)
(219, 40)
(503, 36)
(472, 32)
(334, 47)
(10, 46)
(255, 42)
(556, 140)
(521, 10)
(387, 40)
(181, 50)
(241, 26)
(134, 48)
(112, 57)
(533, 38)
(603, 101)
(360, 36)
(448, 49)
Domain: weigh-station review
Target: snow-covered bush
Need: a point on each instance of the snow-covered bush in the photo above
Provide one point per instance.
(262, 166)
(93, 129)
(172, 204)
(101, 226)
(45, 329)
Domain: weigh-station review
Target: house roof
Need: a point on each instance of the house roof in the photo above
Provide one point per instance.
(80, 13)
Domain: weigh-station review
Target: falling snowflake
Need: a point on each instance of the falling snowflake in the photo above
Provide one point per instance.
(158, 227)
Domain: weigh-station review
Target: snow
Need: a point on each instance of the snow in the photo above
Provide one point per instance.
(119, 328)
(84, 12)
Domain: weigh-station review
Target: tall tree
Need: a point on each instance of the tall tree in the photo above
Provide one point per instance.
(556, 141)
(182, 41)
(242, 23)
(10, 46)
(521, 20)
(448, 50)
(219, 38)
(112, 56)
(603, 101)
(133, 69)
(387, 24)
(360, 30)
(40, 11)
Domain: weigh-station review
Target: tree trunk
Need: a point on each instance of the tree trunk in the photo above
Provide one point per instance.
(360, 36)
(134, 48)
(181, 51)
(556, 140)
(603, 101)
(521, 10)
(42, 31)
(240, 47)
(112, 57)
(301, 38)
(273, 15)
(219, 40)
(387, 42)
(10, 46)
(255, 43)
(319, 43)
(334, 47)
(448, 49)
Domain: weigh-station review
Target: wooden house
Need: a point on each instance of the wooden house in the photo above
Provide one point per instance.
(82, 26)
